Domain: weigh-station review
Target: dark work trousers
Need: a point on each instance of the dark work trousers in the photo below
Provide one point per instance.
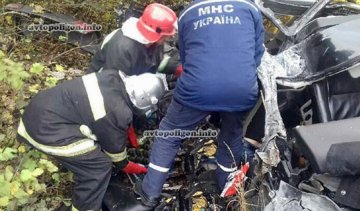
(182, 117)
(92, 172)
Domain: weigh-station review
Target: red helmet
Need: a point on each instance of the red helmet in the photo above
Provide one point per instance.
(157, 20)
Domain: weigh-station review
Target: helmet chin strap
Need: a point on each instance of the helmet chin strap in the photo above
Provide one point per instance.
(140, 112)
(148, 113)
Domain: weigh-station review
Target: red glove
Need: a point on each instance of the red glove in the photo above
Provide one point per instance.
(132, 137)
(134, 168)
(178, 71)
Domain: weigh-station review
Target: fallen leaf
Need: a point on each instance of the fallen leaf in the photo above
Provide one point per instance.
(59, 68)
(4, 201)
(37, 172)
(9, 173)
(9, 19)
(22, 149)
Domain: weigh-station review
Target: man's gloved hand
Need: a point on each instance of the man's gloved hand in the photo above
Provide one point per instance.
(178, 71)
(134, 168)
(172, 78)
(132, 137)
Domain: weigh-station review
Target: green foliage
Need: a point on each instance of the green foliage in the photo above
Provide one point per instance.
(8, 154)
(9, 173)
(30, 164)
(34, 88)
(37, 68)
(26, 175)
(4, 201)
(23, 185)
(51, 81)
(63, 38)
(11, 72)
(26, 63)
(48, 165)
(56, 177)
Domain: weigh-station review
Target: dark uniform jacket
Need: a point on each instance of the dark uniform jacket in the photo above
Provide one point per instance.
(94, 108)
(119, 52)
(221, 45)
(122, 53)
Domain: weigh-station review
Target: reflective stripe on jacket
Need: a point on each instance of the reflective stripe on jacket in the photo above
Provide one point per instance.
(78, 115)
(77, 148)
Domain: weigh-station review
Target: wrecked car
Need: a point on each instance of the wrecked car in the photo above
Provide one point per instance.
(308, 157)
(306, 126)
(307, 147)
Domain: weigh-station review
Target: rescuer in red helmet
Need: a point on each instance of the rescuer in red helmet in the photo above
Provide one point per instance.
(137, 47)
